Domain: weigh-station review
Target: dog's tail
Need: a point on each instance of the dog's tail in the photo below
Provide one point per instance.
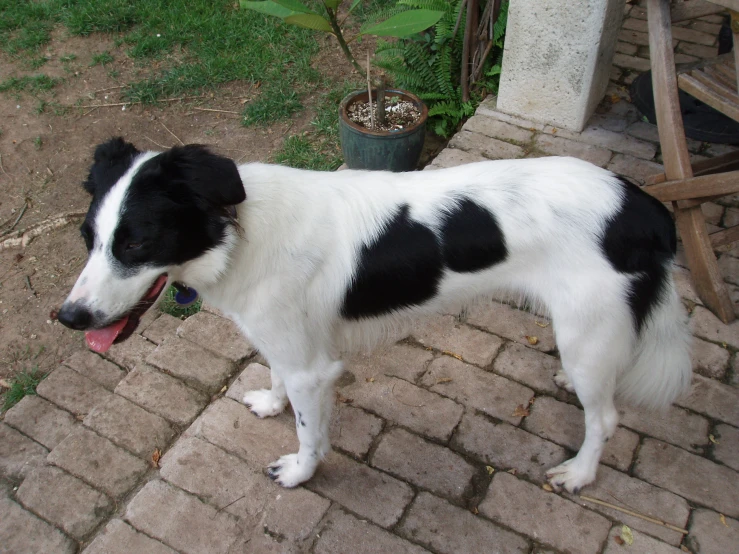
(661, 370)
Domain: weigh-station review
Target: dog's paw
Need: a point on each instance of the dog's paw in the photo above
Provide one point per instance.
(288, 472)
(263, 403)
(562, 380)
(571, 476)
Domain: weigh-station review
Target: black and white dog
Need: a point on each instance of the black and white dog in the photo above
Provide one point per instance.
(313, 265)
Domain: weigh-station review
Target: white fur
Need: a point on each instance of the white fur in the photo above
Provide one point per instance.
(283, 280)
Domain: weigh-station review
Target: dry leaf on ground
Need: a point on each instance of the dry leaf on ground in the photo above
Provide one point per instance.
(627, 535)
(155, 457)
(490, 469)
(533, 341)
(520, 411)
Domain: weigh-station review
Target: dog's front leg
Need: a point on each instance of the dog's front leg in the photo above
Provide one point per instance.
(311, 396)
(267, 402)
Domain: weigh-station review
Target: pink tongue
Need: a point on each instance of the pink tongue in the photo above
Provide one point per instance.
(100, 340)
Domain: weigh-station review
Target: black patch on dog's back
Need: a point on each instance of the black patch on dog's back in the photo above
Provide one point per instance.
(401, 268)
(640, 240)
(471, 238)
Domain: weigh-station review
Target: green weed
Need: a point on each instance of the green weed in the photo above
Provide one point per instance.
(23, 384)
(104, 58)
(33, 84)
(169, 305)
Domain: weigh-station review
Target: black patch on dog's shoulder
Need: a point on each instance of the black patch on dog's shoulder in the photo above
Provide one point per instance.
(176, 207)
(472, 240)
(401, 268)
(641, 240)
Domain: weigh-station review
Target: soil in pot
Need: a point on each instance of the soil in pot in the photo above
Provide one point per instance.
(399, 114)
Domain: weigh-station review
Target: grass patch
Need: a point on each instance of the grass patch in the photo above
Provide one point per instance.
(23, 384)
(104, 58)
(33, 84)
(319, 148)
(169, 305)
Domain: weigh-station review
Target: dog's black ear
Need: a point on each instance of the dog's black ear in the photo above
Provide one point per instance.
(212, 178)
(111, 160)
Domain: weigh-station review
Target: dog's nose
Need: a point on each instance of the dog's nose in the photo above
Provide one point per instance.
(75, 316)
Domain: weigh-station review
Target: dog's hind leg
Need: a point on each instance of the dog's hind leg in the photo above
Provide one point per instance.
(311, 394)
(267, 402)
(592, 354)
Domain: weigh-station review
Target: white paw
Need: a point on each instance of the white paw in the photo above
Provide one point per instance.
(570, 475)
(288, 472)
(562, 380)
(263, 403)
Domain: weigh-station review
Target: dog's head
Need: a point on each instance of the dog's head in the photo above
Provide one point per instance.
(153, 217)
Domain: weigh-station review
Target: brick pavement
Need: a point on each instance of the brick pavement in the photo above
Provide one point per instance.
(149, 450)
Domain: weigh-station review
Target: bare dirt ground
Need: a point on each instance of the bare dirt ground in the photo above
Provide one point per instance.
(46, 156)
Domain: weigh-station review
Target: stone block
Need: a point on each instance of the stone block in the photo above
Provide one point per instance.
(642, 543)
(697, 50)
(18, 453)
(254, 377)
(353, 430)
(131, 352)
(565, 424)
(726, 449)
(710, 535)
(40, 420)
(729, 267)
(618, 488)
(527, 366)
(424, 464)
(626, 48)
(505, 447)
(513, 324)
(713, 213)
(671, 424)
(560, 146)
(451, 530)
(637, 169)
(684, 285)
(689, 476)
(365, 491)
(447, 334)
(191, 363)
(98, 461)
(217, 334)
(488, 147)
(419, 410)
(631, 62)
(21, 531)
(65, 501)
(476, 388)
(489, 108)
(230, 484)
(495, 128)
(342, 530)
(234, 428)
(120, 538)
(400, 360)
(162, 395)
(708, 326)
(96, 368)
(451, 157)
(557, 61)
(693, 35)
(550, 518)
(187, 525)
(709, 359)
(716, 400)
(609, 121)
(73, 392)
(130, 426)
(161, 328)
(635, 25)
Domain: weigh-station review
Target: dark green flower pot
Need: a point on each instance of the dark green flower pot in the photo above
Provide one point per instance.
(381, 150)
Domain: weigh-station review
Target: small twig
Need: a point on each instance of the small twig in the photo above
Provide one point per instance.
(25, 236)
(229, 504)
(134, 103)
(635, 514)
(30, 287)
(17, 219)
(405, 403)
(369, 94)
(109, 88)
(171, 133)
(1, 165)
(155, 142)
(214, 110)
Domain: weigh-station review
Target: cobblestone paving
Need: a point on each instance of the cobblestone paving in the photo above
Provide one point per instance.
(440, 442)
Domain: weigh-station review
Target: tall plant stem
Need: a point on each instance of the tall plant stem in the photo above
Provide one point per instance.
(342, 43)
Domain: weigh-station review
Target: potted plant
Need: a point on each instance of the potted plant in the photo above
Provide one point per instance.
(395, 147)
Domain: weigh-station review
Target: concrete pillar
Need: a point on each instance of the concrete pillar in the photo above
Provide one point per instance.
(557, 59)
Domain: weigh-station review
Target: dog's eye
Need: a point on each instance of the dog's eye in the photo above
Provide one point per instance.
(134, 245)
